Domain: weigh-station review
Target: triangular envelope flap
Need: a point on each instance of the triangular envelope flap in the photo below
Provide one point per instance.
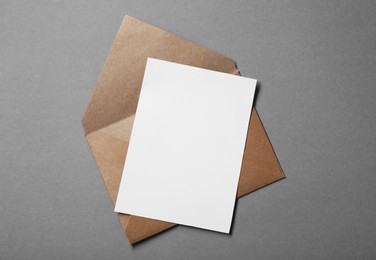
(118, 87)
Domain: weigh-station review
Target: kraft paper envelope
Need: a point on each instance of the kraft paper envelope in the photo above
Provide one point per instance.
(110, 113)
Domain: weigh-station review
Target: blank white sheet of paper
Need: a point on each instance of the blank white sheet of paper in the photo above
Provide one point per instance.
(186, 148)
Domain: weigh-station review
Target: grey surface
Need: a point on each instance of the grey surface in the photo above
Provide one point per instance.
(316, 64)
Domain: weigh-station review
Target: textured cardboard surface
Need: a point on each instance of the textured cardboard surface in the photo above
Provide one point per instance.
(109, 116)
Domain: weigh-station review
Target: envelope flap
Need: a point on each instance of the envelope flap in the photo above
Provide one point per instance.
(118, 87)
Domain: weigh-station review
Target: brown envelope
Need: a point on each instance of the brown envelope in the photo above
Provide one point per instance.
(109, 116)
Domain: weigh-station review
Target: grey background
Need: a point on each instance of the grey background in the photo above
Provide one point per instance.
(315, 61)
